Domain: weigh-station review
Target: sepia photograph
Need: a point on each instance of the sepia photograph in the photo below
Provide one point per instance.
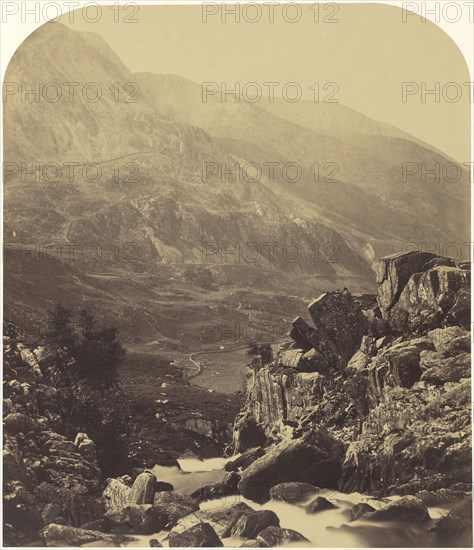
(236, 274)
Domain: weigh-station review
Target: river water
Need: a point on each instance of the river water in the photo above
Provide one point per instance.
(322, 529)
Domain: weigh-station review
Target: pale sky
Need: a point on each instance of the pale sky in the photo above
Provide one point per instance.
(370, 52)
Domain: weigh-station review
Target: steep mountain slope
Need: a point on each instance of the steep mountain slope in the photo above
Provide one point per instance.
(147, 205)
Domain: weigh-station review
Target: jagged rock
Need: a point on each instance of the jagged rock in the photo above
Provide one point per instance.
(225, 488)
(305, 334)
(358, 511)
(143, 489)
(446, 340)
(201, 535)
(319, 504)
(340, 323)
(291, 358)
(276, 536)
(250, 525)
(393, 272)
(117, 494)
(16, 423)
(315, 458)
(397, 365)
(407, 508)
(65, 535)
(143, 519)
(451, 369)
(359, 361)
(174, 506)
(430, 299)
(244, 460)
(222, 518)
(293, 492)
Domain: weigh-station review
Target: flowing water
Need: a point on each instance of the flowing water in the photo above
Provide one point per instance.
(322, 529)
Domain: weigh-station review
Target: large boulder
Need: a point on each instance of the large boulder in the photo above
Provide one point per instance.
(222, 518)
(455, 528)
(409, 509)
(143, 489)
(319, 504)
(117, 494)
(393, 272)
(340, 324)
(200, 535)
(65, 535)
(250, 525)
(276, 536)
(314, 458)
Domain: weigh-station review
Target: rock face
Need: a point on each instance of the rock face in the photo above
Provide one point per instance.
(293, 492)
(65, 535)
(409, 509)
(393, 391)
(143, 489)
(314, 458)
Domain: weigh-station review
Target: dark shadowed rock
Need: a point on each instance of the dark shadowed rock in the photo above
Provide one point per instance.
(225, 488)
(201, 535)
(407, 508)
(244, 460)
(18, 422)
(315, 458)
(162, 486)
(143, 489)
(154, 543)
(143, 519)
(319, 504)
(174, 505)
(360, 510)
(250, 525)
(293, 492)
(340, 323)
(455, 529)
(276, 536)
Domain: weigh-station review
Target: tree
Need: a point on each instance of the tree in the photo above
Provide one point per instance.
(59, 329)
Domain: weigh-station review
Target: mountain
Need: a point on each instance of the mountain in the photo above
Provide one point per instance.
(165, 247)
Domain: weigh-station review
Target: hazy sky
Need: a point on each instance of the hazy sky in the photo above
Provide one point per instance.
(370, 52)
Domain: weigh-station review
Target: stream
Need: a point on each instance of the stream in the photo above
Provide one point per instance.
(321, 529)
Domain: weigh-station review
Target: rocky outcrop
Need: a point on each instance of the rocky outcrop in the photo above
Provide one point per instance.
(314, 458)
(65, 535)
(47, 476)
(390, 382)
